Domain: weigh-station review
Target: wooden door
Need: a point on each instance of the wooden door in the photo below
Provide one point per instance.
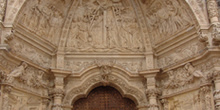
(104, 98)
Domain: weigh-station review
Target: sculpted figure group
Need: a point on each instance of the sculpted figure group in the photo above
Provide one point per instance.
(183, 76)
(166, 18)
(120, 30)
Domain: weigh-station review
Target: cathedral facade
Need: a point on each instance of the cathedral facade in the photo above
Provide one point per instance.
(109, 55)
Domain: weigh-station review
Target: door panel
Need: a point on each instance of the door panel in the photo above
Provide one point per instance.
(104, 98)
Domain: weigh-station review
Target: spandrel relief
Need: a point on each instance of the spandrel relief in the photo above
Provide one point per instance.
(104, 26)
(165, 18)
(44, 18)
(26, 51)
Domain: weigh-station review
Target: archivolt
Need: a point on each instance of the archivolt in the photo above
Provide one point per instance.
(117, 82)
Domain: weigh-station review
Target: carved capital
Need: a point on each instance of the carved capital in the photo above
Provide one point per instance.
(57, 92)
(153, 92)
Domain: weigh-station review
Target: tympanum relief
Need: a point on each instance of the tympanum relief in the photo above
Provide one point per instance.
(44, 18)
(165, 18)
(104, 26)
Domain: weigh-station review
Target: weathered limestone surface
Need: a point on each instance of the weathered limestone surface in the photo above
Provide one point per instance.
(162, 54)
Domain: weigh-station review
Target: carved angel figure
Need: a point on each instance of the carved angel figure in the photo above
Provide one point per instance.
(192, 71)
(17, 72)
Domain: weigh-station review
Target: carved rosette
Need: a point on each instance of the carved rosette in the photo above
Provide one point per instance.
(212, 8)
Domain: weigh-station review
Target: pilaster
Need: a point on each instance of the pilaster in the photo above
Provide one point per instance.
(152, 92)
(212, 10)
(58, 92)
(217, 89)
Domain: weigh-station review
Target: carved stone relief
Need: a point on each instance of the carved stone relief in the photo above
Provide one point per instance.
(28, 78)
(112, 79)
(19, 101)
(76, 65)
(199, 7)
(189, 101)
(117, 20)
(2, 9)
(183, 78)
(181, 53)
(44, 18)
(165, 18)
(25, 50)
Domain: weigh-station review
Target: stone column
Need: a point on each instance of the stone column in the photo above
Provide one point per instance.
(5, 96)
(58, 91)
(212, 10)
(217, 89)
(151, 91)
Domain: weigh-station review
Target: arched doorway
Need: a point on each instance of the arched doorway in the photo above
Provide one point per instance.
(104, 98)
